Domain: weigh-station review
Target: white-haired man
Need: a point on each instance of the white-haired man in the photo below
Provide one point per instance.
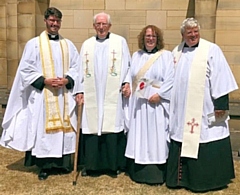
(200, 157)
(105, 59)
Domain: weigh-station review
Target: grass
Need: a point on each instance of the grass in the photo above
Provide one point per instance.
(19, 180)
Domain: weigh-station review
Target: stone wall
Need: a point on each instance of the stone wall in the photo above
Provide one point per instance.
(21, 20)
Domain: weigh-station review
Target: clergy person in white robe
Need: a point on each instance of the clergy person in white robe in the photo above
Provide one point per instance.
(152, 73)
(105, 59)
(200, 157)
(40, 117)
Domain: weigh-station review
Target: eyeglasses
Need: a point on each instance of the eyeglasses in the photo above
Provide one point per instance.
(151, 36)
(53, 21)
(99, 24)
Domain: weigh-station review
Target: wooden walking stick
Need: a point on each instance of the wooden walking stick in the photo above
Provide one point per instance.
(79, 120)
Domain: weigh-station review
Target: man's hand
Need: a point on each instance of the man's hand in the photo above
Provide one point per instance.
(56, 83)
(79, 98)
(154, 99)
(126, 91)
(219, 113)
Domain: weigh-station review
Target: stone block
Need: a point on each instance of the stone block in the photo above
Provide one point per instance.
(40, 8)
(25, 34)
(129, 20)
(83, 19)
(3, 67)
(12, 50)
(137, 27)
(122, 30)
(206, 7)
(78, 45)
(3, 2)
(43, 1)
(68, 5)
(39, 19)
(12, 21)
(235, 48)
(39, 30)
(236, 72)
(206, 22)
(208, 35)
(67, 22)
(176, 5)
(96, 4)
(26, 7)
(143, 5)
(176, 13)
(12, 1)
(11, 9)
(2, 11)
(67, 13)
(229, 5)
(228, 23)
(115, 5)
(133, 34)
(75, 35)
(3, 47)
(172, 37)
(3, 80)
(26, 21)
(3, 22)
(174, 22)
(12, 34)
(228, 38)
(232, 57)
(21, 47)
(227, 13)
(3, 34)
(157, 18)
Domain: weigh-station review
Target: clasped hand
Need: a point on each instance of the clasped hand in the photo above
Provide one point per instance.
(56, 83)
(126, 91)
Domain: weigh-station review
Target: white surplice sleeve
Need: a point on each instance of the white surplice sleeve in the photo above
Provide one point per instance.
(221, 78)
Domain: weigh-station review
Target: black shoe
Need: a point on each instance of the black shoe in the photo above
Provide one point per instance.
(43, 174)
(84, 172)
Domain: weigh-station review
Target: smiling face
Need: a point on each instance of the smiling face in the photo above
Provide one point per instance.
(150, 39)
(191, 36)
(102, 26)
(53, 24)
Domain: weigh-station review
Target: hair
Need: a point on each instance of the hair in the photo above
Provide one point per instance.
(189, 23)
(159, 34)
(52, 11)
(102, 14)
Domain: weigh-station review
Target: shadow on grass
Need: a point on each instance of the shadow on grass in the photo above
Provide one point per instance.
(19, 166)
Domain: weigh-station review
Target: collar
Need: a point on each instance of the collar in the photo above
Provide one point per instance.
(153, 51)
(185, 45)
(107, 37)
(53, 37)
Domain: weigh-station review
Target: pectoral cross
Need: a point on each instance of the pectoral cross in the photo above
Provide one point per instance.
(87, 71)
(192, 124)
(113, 71)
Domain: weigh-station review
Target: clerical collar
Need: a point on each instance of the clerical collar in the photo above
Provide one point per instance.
(185, 45)
(107, 37)
(152, 51)
(53, 37)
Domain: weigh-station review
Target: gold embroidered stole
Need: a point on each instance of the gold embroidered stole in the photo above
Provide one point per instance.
(54, 121)
(144, 69)
(195, 98)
